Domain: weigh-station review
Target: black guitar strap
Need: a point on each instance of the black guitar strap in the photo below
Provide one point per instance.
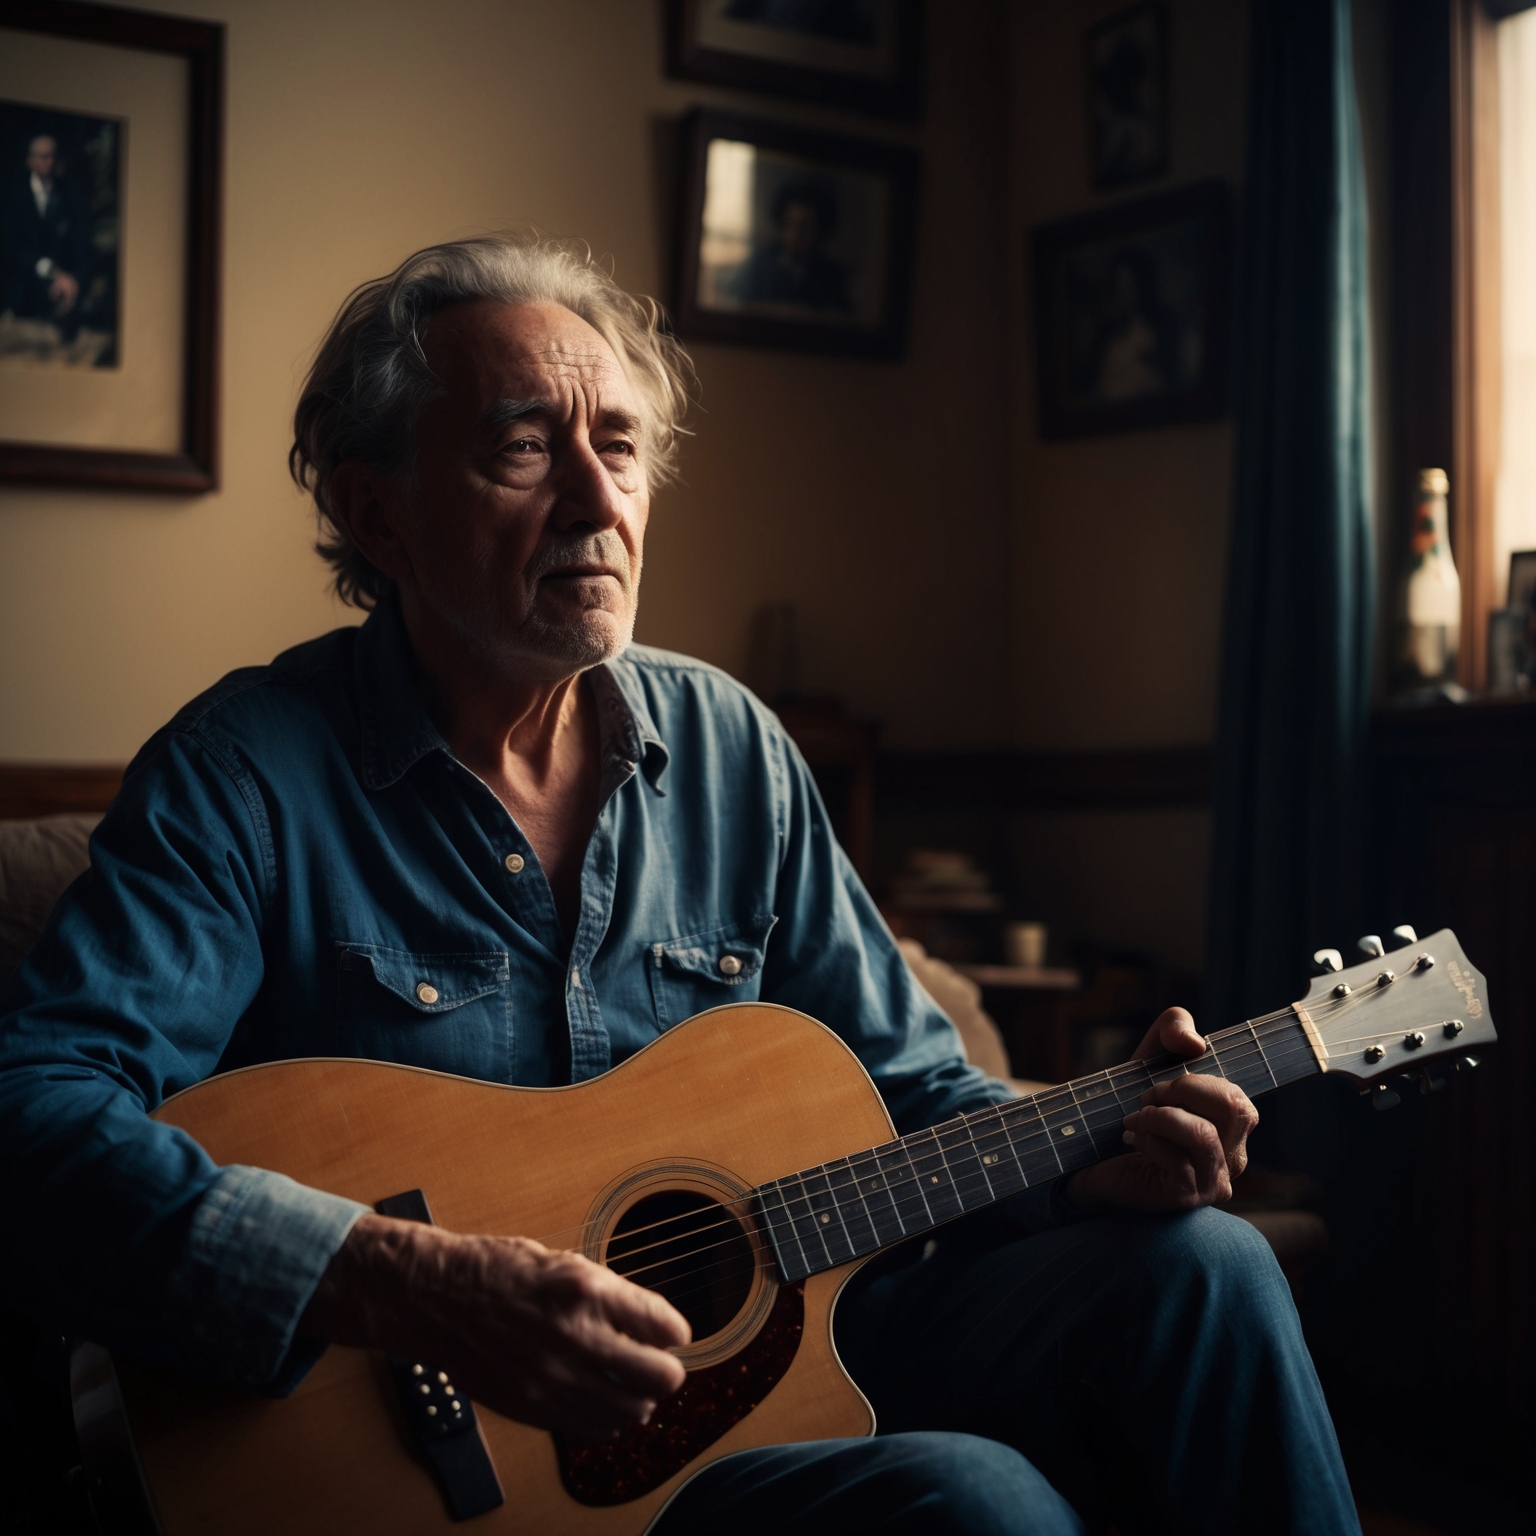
(442, 1423)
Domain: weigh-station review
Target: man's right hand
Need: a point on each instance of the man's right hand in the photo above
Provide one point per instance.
(539, 1335)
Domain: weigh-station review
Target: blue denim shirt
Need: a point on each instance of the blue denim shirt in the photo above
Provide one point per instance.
(291, 859)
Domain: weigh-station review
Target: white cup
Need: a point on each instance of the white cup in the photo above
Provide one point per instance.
(1024, 944)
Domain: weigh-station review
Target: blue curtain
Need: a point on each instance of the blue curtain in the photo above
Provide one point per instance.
(1296, 667)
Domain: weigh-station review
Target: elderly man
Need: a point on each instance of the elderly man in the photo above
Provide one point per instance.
(488, 777)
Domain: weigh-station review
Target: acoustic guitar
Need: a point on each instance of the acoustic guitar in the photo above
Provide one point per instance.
(742, 1165)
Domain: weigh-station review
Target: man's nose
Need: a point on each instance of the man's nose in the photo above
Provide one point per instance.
(587, 495)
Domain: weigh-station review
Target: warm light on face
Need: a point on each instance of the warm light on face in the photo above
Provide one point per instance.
(41, 153)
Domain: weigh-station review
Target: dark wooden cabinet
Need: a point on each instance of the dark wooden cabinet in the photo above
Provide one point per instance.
(1454, 844)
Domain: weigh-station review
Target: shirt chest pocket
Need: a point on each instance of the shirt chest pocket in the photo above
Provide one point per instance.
(698, 971)
(451, 1012)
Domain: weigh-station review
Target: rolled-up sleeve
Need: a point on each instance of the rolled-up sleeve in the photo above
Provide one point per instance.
(123, 1229)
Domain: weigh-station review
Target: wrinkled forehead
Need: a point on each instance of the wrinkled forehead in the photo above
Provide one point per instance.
(484, 352)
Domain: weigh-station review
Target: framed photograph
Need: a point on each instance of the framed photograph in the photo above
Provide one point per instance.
(864, 54)
(794, 239)
(1132, 314)
(111, 127)
(1127, 59)
(1522, 579)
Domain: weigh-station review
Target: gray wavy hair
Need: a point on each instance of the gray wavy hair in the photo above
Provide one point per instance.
(370, 378)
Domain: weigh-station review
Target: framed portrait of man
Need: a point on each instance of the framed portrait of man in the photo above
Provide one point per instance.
(863, 54)
(1127, 68)
(1132, 314)
(110, 159)
(794, 239)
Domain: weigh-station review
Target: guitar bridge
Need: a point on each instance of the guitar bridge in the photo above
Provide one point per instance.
(441, 1421)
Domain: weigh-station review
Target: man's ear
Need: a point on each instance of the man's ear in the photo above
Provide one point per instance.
(366, 504)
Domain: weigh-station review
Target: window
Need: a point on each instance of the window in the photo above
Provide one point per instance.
(1514, 502)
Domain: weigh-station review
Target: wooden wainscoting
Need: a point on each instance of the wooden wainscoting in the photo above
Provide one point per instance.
(52, 789)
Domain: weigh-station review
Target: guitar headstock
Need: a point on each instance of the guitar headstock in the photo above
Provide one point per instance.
(1400, 1011)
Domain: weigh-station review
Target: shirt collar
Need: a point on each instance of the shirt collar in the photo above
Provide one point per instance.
(397, 731)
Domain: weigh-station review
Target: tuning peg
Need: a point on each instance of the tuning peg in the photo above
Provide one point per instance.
(1466, 1064)
(1327, 960)
(1384, 1098)
(1431, 1080)
(1404, 935)
(1371, 945)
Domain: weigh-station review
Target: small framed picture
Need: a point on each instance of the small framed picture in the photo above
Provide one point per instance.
(1127, 59)
(864, 54)
(1522, 579)
(794, 239)
(110, 159)
(1132, 314)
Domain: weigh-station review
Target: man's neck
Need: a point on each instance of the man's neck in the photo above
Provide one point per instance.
(532, 738)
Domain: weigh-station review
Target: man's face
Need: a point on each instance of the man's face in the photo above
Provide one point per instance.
(40, 156)
(799, 230)
(525, 524)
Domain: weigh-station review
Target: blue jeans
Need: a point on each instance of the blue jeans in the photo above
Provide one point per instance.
(1143, 1371)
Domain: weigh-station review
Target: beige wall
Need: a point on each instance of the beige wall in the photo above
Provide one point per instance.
(1119, 540)
(873, 496)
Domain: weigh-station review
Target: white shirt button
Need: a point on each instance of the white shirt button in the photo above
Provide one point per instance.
(426, 993)
(730, 965)
(514, 863)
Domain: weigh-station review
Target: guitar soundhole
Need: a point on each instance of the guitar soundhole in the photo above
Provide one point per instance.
(689, 1248)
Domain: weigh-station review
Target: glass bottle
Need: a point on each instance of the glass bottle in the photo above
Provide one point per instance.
(1431, 614)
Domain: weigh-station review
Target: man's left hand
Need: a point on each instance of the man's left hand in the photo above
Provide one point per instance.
(1190, 1136)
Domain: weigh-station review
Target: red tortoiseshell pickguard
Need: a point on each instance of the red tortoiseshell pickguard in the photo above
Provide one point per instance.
(708, 1404)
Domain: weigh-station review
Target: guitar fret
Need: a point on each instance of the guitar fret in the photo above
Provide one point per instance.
(877, 1197)
(935, 1177)
(781, 1232)
(1068, 1130)
(856, 1218)
(970, 1182)
(906, 1189)
(830, 1227)
(804, 1221)
(1105, 1129)
(989, 1137)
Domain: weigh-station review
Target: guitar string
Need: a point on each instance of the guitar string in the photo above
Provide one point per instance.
(908, 1183)
(1244, 1043)
(904, 1187)
(906, 1195)
(1284, 1015)
(719, 1281)
(1242, 1052)
(714, 1281)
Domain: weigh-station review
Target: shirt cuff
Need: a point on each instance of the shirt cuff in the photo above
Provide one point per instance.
(256, 1249)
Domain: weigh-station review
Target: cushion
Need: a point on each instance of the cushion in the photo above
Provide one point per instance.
(959, 997)
(38, 860)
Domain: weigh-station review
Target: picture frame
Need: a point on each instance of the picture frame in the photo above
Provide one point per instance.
(136, 408)
(865, 55)
(1125, 58)
(1522, 579)
(794, 239)
(1133, 314)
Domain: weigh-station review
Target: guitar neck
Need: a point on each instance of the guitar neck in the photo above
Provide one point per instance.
(825, 1216)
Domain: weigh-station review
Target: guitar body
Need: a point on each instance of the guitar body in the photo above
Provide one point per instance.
(716, 1106)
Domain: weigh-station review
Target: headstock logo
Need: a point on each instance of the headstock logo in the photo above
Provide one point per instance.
(1463, 984)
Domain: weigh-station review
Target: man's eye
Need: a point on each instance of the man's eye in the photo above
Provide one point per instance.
(620, 446)
(523, 446)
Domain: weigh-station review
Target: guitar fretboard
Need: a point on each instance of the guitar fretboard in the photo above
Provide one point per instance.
(843, 1210)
